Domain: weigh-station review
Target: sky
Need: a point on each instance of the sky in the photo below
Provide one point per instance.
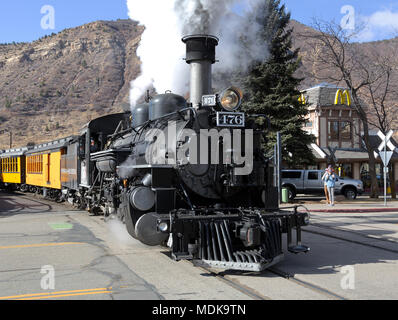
(28, 20)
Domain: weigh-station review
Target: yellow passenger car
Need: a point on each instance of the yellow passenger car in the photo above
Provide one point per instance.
(43, 164)
(13, 166)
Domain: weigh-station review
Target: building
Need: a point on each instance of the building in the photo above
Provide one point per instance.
(337, 127)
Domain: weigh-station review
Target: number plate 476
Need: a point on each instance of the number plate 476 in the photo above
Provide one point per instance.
(231, 119)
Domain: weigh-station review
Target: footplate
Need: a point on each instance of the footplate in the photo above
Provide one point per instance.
(242, 266)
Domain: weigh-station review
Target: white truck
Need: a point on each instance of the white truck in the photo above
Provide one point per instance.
(310, 182)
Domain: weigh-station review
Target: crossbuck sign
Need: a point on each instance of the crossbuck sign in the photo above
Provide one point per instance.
(385, 156)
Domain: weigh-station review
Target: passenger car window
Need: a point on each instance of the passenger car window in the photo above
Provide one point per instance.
(312, 175)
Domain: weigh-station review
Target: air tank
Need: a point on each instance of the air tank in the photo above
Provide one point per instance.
(164, 104)
(140, 114)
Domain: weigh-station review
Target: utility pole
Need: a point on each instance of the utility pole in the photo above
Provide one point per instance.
(385, 156)
(385, 172)
(279, 165)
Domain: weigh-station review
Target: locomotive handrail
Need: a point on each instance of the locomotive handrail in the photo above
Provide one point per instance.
(177, 214)
(176, 112)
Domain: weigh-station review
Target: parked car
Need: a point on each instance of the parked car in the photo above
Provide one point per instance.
(310, 182)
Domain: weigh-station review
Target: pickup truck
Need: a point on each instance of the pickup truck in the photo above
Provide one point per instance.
(310, 182)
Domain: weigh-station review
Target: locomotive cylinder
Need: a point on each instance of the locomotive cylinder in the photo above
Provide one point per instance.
(201, 54)
(142, 199)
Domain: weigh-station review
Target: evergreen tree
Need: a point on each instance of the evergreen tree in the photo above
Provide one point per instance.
(272, 89)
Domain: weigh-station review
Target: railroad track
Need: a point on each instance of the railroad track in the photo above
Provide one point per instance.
(258, 296)
(353, 241)
(318, 225)
(250, 292)
(313, 287)
(364, 223)
(302, 283)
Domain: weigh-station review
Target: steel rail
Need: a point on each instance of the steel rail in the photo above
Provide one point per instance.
(235, 284)
(306, 284)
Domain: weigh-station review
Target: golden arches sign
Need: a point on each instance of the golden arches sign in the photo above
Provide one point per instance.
(302, 99)
(342, 97)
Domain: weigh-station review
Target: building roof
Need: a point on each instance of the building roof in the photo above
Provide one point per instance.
(322, 95)
(322, 154)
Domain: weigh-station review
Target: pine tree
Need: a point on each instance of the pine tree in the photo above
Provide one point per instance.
(272, 89)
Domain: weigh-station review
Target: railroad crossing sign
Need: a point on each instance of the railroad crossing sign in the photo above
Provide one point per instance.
(386, 157)
(386, 140)
(385, 143)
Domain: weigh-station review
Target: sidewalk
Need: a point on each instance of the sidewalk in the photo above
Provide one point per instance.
(360, 205)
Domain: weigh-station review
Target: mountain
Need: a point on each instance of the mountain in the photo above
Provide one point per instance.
(369, 48)
(53, 86)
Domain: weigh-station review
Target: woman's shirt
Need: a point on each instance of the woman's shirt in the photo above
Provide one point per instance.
(330, 180)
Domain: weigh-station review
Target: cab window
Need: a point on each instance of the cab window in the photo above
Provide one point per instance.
(313, 175)
(291, 174)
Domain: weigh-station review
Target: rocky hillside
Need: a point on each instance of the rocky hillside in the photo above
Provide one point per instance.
(50, 88)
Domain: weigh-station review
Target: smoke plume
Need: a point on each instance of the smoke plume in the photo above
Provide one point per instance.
(235, 22)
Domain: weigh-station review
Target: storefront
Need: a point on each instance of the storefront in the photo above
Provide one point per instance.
(337, 127)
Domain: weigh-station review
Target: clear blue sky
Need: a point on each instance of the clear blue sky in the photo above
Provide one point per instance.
(304, 10)
(20, 20)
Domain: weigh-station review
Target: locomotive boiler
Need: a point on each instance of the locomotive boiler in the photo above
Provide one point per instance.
(193, 174)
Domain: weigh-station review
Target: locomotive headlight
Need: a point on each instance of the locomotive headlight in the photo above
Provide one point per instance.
(231, 99)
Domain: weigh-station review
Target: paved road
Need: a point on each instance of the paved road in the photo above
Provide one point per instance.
(35, 233)
(91, 259)
(96, 259)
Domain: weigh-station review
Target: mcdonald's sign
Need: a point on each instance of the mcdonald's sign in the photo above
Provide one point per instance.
(302, 99)
(342, 97)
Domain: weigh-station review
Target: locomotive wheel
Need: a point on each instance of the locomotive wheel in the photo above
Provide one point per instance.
(146, 230)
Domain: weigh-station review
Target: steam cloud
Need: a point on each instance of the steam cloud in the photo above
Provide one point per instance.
(167, 21)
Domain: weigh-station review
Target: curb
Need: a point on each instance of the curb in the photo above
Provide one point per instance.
(374, 210)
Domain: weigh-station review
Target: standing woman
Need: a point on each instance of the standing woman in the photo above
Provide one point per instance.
(330, 182)
(325, 186)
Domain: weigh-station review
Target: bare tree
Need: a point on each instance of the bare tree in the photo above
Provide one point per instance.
(335, 57)
(381, 95)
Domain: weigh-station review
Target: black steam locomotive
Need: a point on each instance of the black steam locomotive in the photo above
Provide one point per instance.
(189, 174)
(160, 188)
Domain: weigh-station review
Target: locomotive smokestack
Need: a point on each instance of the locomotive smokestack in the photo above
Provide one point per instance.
(201, 54)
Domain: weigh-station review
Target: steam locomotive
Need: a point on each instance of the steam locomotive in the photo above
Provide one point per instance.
(189, 174)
